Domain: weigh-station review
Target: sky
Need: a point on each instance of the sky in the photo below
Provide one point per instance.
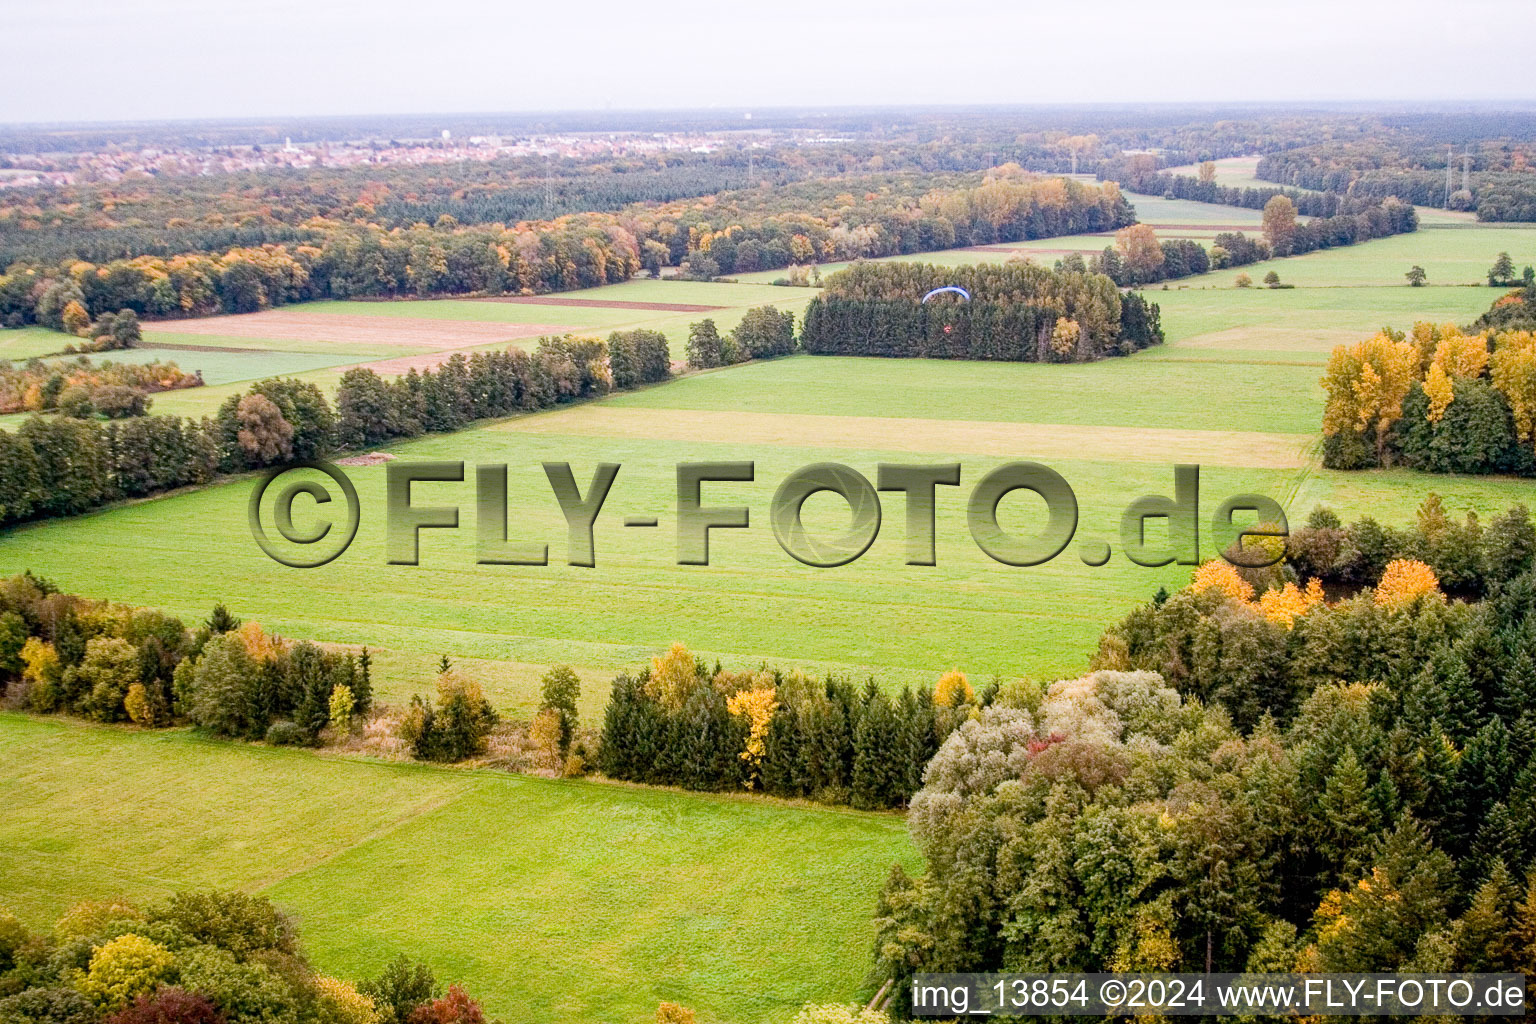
(104, 60)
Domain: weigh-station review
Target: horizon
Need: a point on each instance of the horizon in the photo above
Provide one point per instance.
(172, 58)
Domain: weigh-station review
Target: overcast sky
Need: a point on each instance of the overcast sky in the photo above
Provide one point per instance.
(133, 59)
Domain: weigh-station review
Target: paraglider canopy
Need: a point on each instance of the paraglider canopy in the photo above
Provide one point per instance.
(949, 288)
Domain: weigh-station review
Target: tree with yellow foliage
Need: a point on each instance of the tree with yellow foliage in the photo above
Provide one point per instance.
(1065, 336)
(75, 319)
(1280, 224)
(136, 702)
(1514, 376)
(1404, 580)
(758, 708)
(1366, 384)
(1140, 251)
(952, 690)
(673, 677)
(1221, 577)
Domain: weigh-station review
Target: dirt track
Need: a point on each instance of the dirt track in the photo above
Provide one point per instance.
(555, 300)
(340, 328)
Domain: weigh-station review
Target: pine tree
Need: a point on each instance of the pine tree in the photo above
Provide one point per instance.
(879, 748)
(1484, 936)
(1348, 821)
(362, 684)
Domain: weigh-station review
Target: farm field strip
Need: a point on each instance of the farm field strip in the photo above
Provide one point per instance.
(304, 323)
(946, 436)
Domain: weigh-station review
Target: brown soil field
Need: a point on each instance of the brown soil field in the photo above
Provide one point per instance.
(949, 437)
(555, 300)
(293, 324)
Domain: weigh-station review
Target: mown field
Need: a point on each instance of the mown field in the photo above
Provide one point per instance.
(553, 901)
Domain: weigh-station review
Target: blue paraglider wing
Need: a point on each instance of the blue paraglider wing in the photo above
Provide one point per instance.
(949, 288)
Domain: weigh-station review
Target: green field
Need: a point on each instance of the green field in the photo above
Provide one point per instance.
(553, 901)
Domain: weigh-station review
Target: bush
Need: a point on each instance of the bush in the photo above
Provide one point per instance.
(233, 921)
(51, 1005)
(399, 989)
(455, 1007)
(288, 734)
(168, 1005)
(126, 968)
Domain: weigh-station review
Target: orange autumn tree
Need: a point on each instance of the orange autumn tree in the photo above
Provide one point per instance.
(1281, 605)
(1404, 580)
(953, 689)
(1221, 577)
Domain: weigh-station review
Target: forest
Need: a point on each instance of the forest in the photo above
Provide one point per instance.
(1015, 311)
(731, 232)
(1246, 781)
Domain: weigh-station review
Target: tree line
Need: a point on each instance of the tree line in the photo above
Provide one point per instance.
(206, 957)
(60, 653)
(679, 722)
(1016, 311)
(732, 232)
(1495, 179)
(1243, 782)
(58, 467)
(80, 388)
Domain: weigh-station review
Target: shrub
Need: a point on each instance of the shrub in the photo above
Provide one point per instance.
(838, 1014)
(89, 917)
(125, 968)
(52, 1005)
(244, 993)
(337, 1002)
(455, 1007)
(672, 1013)
(287, 734)
(232, 921)
(399, 989)
(12, 937)
(168, 1005)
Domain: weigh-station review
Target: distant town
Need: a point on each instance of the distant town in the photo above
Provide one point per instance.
(115, 163)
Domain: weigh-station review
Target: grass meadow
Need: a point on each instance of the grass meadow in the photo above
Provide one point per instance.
(553, 901)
